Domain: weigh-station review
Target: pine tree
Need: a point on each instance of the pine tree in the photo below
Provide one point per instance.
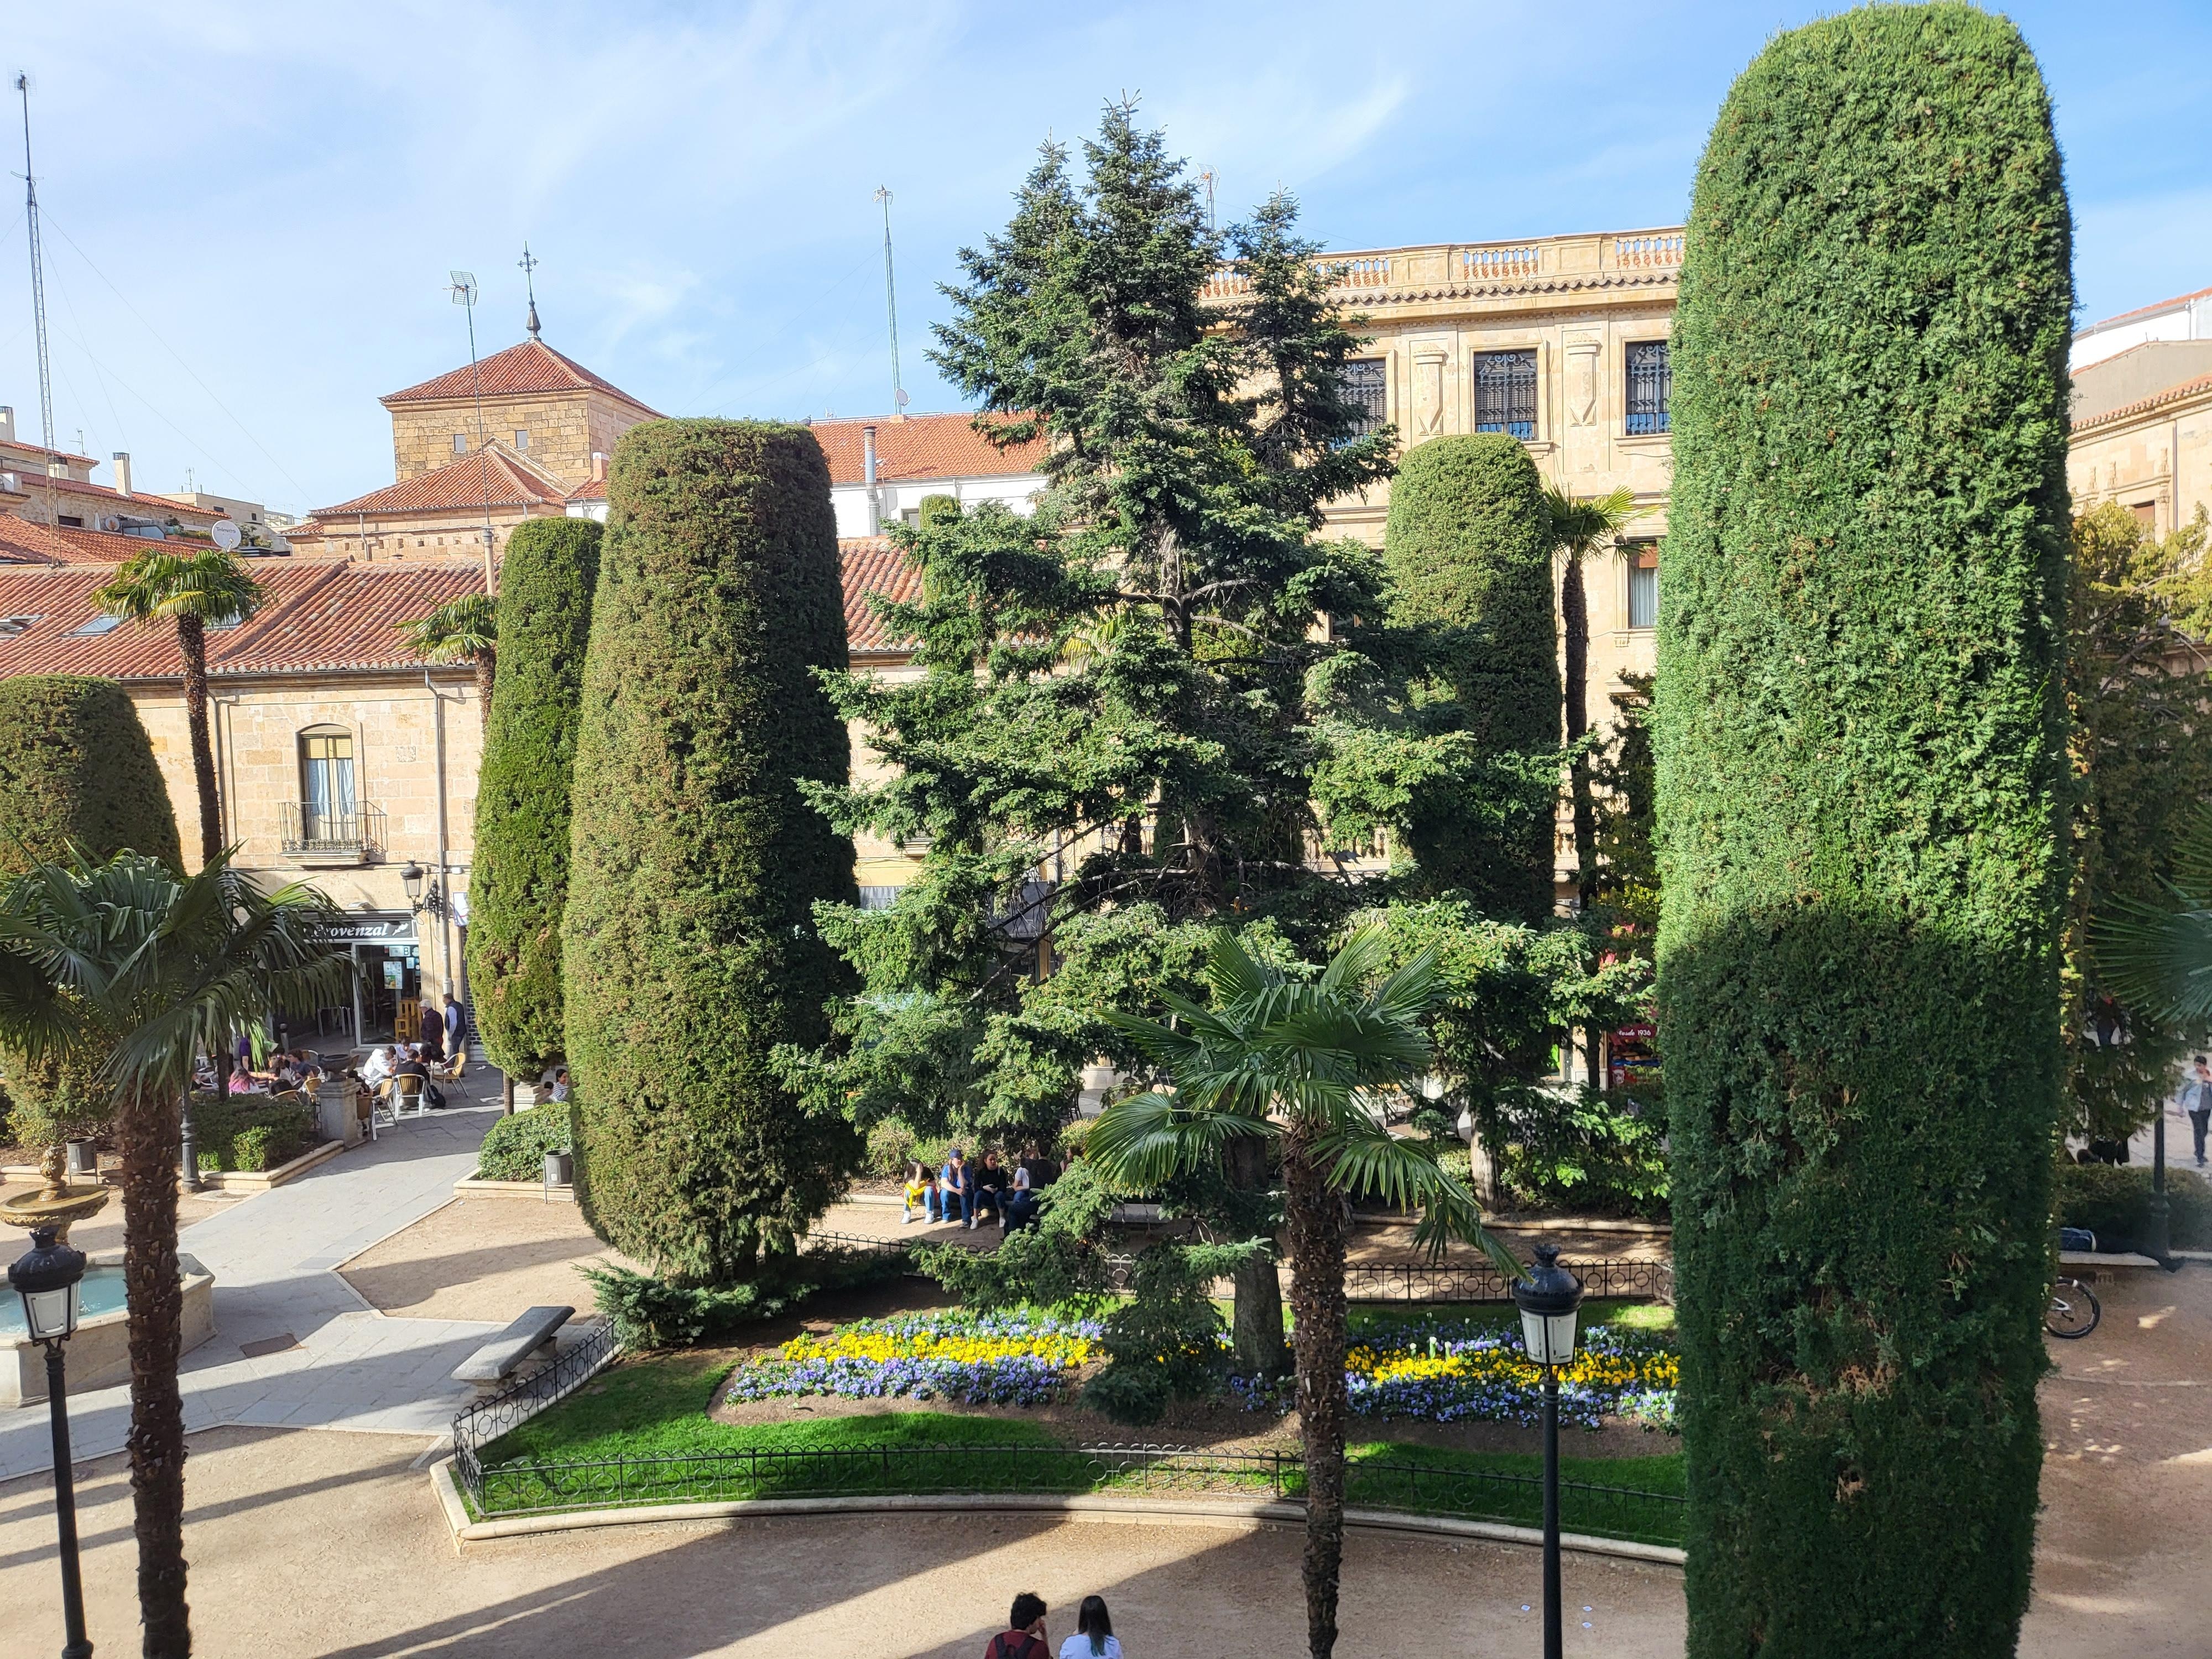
(1861, 773)
(689, 949)
(520, 882)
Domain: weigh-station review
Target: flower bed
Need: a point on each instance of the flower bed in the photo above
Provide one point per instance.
(1478, 1372)
(977, 1359)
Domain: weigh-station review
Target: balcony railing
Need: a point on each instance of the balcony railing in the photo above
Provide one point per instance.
(317, 833)
(1443, 265)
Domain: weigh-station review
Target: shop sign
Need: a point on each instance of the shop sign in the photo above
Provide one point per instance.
(375, 930)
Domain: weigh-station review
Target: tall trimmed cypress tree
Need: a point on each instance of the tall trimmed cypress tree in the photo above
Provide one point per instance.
(520, 882)
(1470, 546)
(688, 945)
(1859, 778)
(75, 765)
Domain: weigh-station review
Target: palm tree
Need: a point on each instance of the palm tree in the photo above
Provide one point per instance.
(465, 629)
(1580, 528)
(195, 591)
(2159, 957)
(130, 960)
(1302, 1066)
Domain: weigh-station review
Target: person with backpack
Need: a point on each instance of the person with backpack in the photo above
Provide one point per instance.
(1094, 1636)
(1025, 1636)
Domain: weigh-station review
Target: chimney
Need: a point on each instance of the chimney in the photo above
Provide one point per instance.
(7, 424)
(868, 478)
(123, 473)
(598, 466)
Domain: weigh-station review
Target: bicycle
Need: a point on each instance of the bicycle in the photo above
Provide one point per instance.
(2074, 1310)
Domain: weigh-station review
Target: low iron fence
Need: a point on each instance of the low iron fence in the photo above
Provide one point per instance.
(983, 1471)
(1470, 1281)
(488, 1419)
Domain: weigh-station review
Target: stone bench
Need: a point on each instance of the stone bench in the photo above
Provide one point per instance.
(2105, 1259)
(498, 1359)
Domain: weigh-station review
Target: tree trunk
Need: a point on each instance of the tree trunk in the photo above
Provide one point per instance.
(150, 1124)
(487, 667)
(1256, 1319)
(1574, 615)
(1317, 1230)
(191, 641)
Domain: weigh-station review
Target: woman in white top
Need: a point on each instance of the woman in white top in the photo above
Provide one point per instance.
(1094, 1636)
(378, 1068)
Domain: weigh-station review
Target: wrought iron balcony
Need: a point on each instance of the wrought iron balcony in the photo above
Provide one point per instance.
(318, 835)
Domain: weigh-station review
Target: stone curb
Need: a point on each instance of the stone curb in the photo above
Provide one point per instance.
(261, 1181)
(470, 1186)
(1092, 1507)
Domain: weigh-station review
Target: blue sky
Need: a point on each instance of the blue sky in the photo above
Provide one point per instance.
(251, 209)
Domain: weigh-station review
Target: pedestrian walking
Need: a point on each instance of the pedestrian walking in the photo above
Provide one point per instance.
(457, 1027)
(2197, 1101)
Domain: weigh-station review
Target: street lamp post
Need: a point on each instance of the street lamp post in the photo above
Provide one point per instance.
(1550, 1300)
(46, 1276)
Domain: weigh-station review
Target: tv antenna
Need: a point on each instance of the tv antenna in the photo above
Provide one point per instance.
(37, 279)
(530, 263)
(890, 302)
(463, 291)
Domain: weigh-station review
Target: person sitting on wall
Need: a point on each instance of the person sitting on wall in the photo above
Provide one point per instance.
(1021, 1207)
(958, 1183)
(991, 1189)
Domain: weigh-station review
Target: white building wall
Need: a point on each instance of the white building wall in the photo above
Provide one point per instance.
(902, 498)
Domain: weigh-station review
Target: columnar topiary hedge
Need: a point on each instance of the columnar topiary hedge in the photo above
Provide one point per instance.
(1468, 546)
(1859, 775)
(75, 765)
(688, 947)
(520, 882)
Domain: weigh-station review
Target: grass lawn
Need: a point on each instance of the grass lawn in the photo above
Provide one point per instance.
(639, 1433)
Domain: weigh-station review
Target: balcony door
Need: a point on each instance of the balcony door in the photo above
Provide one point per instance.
(326, 789)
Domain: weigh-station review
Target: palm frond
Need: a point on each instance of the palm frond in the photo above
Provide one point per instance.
(1144, 1139)
(455, 631)
(1364, 1157)
(2159, 961)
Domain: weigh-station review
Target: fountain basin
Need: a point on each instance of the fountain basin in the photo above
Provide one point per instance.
(99, 1353)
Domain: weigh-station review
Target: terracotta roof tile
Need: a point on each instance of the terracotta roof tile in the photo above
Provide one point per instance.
(923, 447)
(22, 542)
(107, 547)
(869, 564)
(334, 615)
(532, 366)
(156, 507)
(2143, 405)
(591, 489)
(494, 471)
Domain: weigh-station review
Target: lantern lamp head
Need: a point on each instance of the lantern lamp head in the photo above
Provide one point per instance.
(411, 877)
(45, 1276)
(1550, 1300)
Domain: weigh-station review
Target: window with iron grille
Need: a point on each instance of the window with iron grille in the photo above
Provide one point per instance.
(1643, 585)
(1506, 392)
(1650, 384)
(1360, 382)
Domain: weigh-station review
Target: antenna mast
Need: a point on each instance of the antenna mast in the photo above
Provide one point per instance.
(463, 291)
(890, 302)
(38, 278)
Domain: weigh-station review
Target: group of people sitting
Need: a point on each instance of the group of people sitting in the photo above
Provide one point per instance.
(286, 1069)
(401, 1060)
(1028, 1636)
(964, 1192)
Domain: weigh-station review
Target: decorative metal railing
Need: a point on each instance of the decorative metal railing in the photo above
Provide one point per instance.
(485, 1421)
(310, 829)
(987, 1472)
(1469, 1281)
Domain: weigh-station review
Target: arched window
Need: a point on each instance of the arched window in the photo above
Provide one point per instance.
(326, 788)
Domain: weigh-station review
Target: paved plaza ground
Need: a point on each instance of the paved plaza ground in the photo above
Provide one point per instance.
(306, 1541)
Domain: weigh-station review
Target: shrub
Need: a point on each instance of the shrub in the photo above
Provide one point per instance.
(75, 765)
(520, 883)
(1601, 1154)
(515, 1148)
(1469, 545)
(892, 1146)
(252, 1133)
(654, 1313)
(2113, 1200)
(1169, 1341)
(689, 949)
(1861, 766)
(1060, 1262)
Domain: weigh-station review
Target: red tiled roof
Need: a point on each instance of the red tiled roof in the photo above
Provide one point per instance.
(318, 616)
(2143, 405)
(591, 489)
(63, 455)
(869, 564)
(923, 447)
(2104, 323)
(156, 507)
(494, 475)
(22, 542)
(107, 547)
(533, 366)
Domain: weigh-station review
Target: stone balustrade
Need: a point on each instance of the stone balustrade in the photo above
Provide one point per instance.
(1485, 265)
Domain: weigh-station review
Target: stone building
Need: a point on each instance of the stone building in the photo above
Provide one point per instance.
(2142, 413)
(475, 451)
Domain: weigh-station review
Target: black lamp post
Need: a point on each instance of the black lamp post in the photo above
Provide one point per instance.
(1549, 1299)
(45, 1276)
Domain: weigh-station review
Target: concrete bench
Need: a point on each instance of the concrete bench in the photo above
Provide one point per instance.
(2105, 1259)
(497, 1359)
